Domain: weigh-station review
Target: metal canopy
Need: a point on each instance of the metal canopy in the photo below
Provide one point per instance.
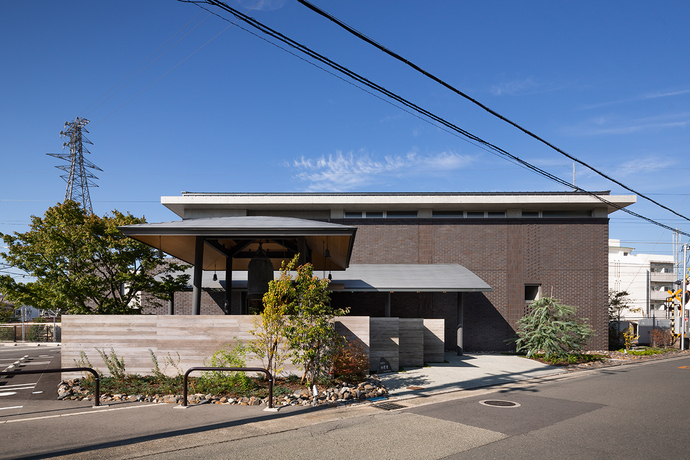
(238, 238)
(408, 278)
(384, 278)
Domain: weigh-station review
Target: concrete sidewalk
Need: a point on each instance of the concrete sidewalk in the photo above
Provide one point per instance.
(473, 370)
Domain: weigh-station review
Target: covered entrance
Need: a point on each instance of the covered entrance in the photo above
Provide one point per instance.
(228, 244)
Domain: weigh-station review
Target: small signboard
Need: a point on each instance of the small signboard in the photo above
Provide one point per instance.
(384, 366)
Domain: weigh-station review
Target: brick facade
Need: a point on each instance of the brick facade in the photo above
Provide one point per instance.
(566, 257)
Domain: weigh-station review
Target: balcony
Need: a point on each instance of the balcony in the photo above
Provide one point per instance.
(658, 295)
(662, 277)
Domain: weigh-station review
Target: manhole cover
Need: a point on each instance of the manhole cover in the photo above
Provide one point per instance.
(389, 406)
(499, 403)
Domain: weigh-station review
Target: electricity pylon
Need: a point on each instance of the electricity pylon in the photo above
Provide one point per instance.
(78, 178)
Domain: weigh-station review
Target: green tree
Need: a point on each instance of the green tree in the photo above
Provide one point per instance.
(7, 311)
(312, 338)
(84, 265)
(619, 302)
(551, 328)
(270, 342)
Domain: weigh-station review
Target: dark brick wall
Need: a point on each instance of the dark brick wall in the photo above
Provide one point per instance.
(211, 302)
(567, 257)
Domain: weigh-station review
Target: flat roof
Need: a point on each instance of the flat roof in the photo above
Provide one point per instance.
(227, 202)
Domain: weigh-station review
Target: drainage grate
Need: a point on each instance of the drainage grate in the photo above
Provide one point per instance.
(389, 406)
(499, 403)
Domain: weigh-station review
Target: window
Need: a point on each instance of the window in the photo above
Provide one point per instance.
(566, 213)
(532, 292)
(374, 214)
(497, 214)
(394, 214)
(353, 214)
(530, 213)
(475, 213)
(451, 214)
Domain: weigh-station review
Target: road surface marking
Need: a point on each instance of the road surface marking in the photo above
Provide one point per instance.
(11, 407)
(76, 413)
(8, 393)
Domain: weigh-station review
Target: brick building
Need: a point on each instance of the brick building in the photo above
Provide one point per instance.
(522, 245)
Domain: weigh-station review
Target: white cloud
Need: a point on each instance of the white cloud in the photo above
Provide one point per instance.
(614, 126)
(349, 171)
(644, 97)
(513, 87)
(644, 165)
(261, 5)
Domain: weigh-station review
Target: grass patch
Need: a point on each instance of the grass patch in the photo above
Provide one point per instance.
(230, 387)
(574, 358)
(648, 351)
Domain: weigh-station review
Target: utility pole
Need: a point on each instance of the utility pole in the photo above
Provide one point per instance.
(78, 178)
(682, 299)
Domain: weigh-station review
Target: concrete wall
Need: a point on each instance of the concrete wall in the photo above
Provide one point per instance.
(408, 342)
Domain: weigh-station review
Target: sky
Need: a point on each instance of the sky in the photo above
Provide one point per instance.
(180, 99)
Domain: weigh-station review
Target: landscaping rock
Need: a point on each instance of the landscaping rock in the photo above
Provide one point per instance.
(344, 393)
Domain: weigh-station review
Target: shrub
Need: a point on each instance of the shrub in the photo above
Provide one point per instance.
(351, 362)
(629, 337)
(38, 332)
(116, 366)
(661, 338)
(226, 357)
(83, 361)
(551, 327)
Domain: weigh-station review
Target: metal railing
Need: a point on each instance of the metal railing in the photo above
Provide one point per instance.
(229, 369)
(30, 332)
(97, 389)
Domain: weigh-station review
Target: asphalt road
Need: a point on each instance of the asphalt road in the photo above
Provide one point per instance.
(20, 393)
(631, 411)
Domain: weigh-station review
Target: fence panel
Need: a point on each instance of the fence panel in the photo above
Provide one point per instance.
(33, 332)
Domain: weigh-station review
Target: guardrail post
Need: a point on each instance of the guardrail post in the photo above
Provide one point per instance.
(228, 369)
(97, 387)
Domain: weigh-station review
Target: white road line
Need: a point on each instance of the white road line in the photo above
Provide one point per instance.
(4, 387)
(11, 407)
(36, 363)
(18, 388)
(8, 393)
(36, 392)
(95, 410)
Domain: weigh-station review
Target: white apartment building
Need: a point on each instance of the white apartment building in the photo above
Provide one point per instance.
(647, 277)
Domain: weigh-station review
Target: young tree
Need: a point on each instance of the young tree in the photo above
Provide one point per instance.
(84, 265)
(619, 302)
(311, 334)
(269, 342)
(551, 328)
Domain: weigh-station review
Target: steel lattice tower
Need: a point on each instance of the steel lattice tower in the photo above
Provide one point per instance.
(78, 177)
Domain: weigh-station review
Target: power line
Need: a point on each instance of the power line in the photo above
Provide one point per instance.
(362, 80)
(476, 102)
